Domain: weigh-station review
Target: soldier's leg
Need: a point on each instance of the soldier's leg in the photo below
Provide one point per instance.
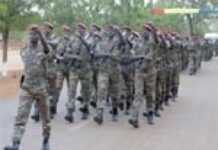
(42, 104)
(59, 85)
(24, 108)
(70, 105)
(102, 82)
(86, 84)
(129, 84)
(52, 89)
(94, 88)
(122, 91)
(114, 92)
(150, 86)
(138, 100)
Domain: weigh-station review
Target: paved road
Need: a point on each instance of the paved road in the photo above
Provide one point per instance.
(189, 124)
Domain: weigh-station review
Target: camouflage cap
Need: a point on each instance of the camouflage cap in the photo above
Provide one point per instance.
(82, 26)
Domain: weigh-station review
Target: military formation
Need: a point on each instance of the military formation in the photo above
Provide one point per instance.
(120, 70)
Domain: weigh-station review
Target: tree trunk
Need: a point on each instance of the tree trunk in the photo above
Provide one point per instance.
(5, 44)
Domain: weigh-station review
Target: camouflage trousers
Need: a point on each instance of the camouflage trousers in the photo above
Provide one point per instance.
(108, 84)
(26, 101)
(53, 92)
(175, 82)
(126, 87)
(85, 78)
(145, 84)
(161, 88)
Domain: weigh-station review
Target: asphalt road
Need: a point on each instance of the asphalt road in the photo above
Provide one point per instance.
(189, 124)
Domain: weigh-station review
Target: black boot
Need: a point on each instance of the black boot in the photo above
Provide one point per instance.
(85, 112)
(128, 106)
(150, 118)
(156, 112)
(80, 99)
(114, 114)
(69, 117)
(45, 143)
(134, 123)
(53, 110)
(93, 104)
(10, 148)
(99, 117)
(35, 117)
(15, 146)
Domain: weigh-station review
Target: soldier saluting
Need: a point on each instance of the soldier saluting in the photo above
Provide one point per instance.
(34, 87)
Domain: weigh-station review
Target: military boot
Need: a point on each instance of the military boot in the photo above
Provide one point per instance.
(114, 113)
(150, 118)
(85, 112)
(156, 112)
(99, 116)
(15, 146)
(35, 117)
(134, 123)
(53, 111)
(69, 117)
(93, 104)
(45, 143)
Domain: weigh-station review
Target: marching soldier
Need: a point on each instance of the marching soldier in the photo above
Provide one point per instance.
(34, 86)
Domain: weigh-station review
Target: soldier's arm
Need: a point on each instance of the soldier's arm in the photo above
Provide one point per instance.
(45, 45)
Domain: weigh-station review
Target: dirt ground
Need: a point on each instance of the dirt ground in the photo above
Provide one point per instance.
(9, 86)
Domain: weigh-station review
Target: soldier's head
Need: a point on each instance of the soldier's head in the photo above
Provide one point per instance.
(48, 28)
(33, 34)
(81, 28)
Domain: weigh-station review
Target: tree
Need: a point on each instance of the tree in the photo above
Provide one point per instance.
(10, 11)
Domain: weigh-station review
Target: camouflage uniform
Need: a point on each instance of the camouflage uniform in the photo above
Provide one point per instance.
(105, 59)
(127, 73)
(79, 56)
(145, 78)
(34, 85)
(53, 89)
(92, 40)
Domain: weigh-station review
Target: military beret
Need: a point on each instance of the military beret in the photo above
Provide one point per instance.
(147, 27)
(50, 25)
(82, 26)
(97, 27)
(136, 34)
(66, 28)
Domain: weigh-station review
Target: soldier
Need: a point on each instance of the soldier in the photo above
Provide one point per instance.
(93, 39)
(80, 70)
(52, 40)
(64, 64)
(127, 71)
(106, 58)
(145, 77)
(33, 88)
